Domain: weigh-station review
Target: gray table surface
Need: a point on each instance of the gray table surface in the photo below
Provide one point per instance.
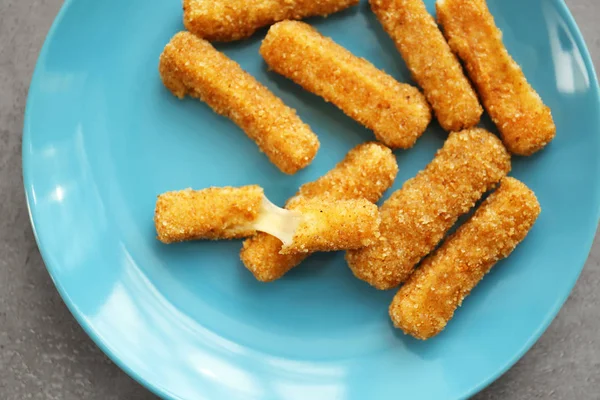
(44, 354)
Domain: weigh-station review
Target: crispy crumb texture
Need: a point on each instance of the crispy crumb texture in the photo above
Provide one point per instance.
(192, 66)
(524, 121)
(366, 172)
(416, 217)
(428, 300)
(213, 213)
(397, 113)
(431, 62)
(227, 20)
(334, 225)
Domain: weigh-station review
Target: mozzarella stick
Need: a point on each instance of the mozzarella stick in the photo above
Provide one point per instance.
(367, 171)
(397, 113)
(231, 213)
(427, 301)
(213, 213)
(227, 20)
(189, 65)
(337, 225)
(432, 64)
(515, 107)
(416, 217)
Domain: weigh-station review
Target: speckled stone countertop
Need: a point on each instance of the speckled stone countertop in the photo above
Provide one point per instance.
(44, 354)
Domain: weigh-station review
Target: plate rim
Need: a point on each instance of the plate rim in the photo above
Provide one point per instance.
(163, 392)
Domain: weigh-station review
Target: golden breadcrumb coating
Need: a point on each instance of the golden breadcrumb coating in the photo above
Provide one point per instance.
(522, 118)
(334, 225)
(427, 301)
(416, 217)
(213, 213)
(189, 65)
(396, 112)
(432, 64)
(367, 171)
(227, 20)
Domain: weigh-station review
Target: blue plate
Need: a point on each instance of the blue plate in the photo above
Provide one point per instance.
(103, 137)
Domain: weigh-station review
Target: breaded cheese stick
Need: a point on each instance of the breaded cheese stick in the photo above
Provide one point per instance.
(396, 112)
(228, 213)
(517, 110)
(213, 213)
(427, 301)
(334, 225)
(367, 171)
(432, 64)
(189, 65)
(226, 20)
(416, 217)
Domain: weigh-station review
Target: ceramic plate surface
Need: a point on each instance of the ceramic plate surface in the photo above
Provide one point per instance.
(103, 138)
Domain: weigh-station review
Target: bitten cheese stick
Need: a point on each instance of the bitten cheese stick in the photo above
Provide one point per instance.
(417, 216)
(228, 213)
(522, 118)
(189, 65)
(427, 301)
(431, 62)
(366, 172)
(328, 226)
(226, 20)
(213, 213)
(396, 112)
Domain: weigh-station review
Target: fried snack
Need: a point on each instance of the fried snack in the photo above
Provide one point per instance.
(334, 225)
(227, 20)
(425, 304)
(189, 65)
(417, 216)
(431, 62)
(367, 171)
(396, 112)
(522, 118)
(213, 213)
(230, 213)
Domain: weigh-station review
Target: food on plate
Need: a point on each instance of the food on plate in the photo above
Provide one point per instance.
(333, 225)
(396, 112)
(427, 301)
(366, 172)
(190, 65)
(227, 20)
(228, 213)
(432, 64)
(416, 217)
(212, 213)
(515, 107)
(337, 211)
